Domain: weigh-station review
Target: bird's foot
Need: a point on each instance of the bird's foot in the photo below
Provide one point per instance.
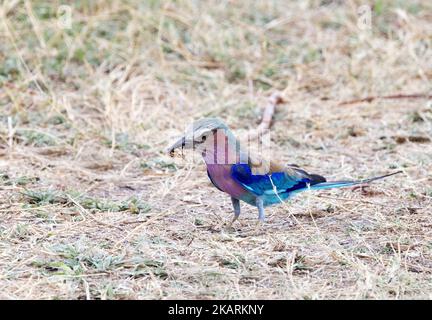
(259, 226)
(257, 229)
(230, 227)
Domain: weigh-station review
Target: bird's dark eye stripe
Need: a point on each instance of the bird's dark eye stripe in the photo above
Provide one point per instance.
(203, 138)
(199, 142)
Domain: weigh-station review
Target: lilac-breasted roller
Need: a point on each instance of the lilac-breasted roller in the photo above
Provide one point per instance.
(235, 171)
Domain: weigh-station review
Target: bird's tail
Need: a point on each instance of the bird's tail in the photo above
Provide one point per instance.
(347, 183)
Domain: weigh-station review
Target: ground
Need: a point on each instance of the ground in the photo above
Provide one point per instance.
(91, 206)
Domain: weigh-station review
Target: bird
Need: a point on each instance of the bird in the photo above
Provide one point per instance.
(233, 169)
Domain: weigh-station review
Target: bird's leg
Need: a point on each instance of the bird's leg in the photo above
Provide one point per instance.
(261, 216)
(260, 206)
(236, 206)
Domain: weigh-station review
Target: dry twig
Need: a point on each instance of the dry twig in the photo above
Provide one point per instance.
(389, 97)
(269, 110)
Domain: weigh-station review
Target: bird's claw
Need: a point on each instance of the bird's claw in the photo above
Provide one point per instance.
(230, 225)
(257, 229)
(259, 224)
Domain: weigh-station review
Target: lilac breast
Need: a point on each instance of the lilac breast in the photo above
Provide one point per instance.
(220, 174)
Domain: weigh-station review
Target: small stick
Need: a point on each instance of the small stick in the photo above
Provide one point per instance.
(11, 133)
(269, 110)
(394, 96)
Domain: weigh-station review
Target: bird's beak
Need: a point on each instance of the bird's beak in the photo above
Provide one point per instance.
(179, 143)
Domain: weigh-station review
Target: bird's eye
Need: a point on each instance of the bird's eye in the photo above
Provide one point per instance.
(203, 138)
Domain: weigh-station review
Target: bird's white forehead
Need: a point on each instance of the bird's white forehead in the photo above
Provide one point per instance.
(206, 124)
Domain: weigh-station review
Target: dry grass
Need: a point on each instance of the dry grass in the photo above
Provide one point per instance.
(92, 208)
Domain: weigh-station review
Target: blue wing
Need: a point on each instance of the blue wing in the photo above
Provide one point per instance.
(285, 183)
(265, 185)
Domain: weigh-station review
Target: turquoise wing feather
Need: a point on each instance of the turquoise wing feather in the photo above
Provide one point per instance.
(265, 185)
(287, 182)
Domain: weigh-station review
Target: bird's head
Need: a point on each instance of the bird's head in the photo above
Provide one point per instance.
(198, 133)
